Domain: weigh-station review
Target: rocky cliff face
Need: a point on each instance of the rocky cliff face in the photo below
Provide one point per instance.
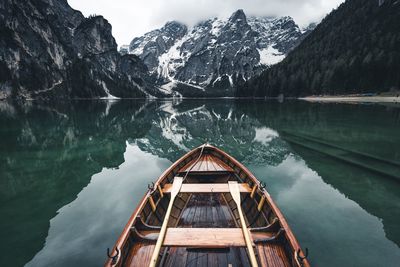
(216, 54)
(155, 43)
(49, 50)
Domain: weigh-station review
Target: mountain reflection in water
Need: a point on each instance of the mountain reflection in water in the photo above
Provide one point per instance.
(72, 173)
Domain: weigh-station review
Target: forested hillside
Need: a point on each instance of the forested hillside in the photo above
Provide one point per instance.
(355, 49)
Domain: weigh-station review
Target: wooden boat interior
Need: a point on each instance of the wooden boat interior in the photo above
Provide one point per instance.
(204, 226)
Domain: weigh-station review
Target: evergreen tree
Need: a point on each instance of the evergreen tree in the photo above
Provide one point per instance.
(355, 49)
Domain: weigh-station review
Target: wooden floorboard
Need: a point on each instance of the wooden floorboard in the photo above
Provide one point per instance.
(208, 211)
(207, 163)
(140, 254)
(272, 255)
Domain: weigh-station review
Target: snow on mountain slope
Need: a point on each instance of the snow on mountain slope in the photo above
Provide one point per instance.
(270, 55)
(215, 54)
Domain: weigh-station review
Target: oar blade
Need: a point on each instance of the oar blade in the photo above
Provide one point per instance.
(235, 192)
(176, 186)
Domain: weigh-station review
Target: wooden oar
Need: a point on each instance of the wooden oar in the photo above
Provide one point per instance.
(234, 189)
(176, 186)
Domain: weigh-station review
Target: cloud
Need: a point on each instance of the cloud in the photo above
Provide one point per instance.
(133, 18)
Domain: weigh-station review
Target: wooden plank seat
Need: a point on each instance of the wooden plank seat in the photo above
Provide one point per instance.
(207, 188)
(204, 237)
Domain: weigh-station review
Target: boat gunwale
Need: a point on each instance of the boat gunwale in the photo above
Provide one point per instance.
(123, 238)
(288, 232)
(125, 232)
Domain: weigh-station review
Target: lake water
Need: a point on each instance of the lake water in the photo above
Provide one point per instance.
(72, 173)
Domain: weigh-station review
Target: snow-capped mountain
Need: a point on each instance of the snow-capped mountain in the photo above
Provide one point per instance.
(215, 55)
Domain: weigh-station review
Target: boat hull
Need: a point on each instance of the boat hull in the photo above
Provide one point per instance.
(205, 226)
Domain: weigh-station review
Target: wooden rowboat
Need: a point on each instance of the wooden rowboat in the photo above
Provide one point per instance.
(207, 209)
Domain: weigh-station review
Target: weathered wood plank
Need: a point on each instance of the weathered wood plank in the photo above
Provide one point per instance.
(207, 188)
(204, 237)
(207, 163)
(272, 255)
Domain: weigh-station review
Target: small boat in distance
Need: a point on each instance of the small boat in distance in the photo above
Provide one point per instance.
(207, 209)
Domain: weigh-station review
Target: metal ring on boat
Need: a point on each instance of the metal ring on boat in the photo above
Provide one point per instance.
(150, 186)
(113, 258)
(262, 185)
(300, 259)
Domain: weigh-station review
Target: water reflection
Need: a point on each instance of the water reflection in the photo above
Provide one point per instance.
(47, 155)
(99, 213)
(72, 173)
(177, 129)
(379, 196)
(336, 230)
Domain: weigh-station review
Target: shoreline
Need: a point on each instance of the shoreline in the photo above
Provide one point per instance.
(352, 99)
(327, 98)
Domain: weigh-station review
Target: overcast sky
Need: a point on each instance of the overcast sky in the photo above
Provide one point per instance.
(131, 18)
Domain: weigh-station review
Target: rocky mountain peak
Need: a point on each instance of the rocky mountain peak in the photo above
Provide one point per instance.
(174, 28)
(238, 17)
(213, 56)
(93, 36)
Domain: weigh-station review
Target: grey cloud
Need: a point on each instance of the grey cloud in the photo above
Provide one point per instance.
(132, 18)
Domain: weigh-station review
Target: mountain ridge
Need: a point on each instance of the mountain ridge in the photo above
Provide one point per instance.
(355, 49)
(213, 56)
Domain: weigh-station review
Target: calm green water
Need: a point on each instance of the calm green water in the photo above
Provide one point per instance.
(72, 173)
